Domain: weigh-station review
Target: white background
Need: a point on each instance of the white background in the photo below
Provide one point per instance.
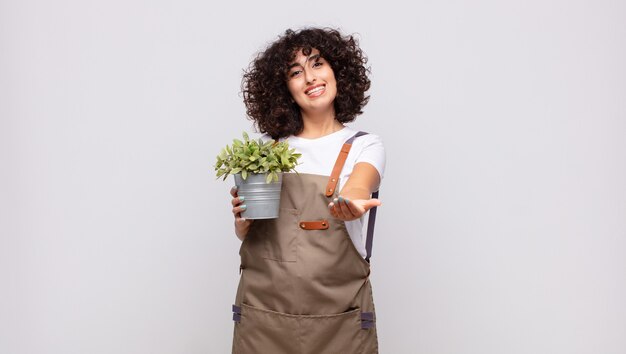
(503, 228)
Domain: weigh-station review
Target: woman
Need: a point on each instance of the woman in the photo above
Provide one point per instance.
(304, 284)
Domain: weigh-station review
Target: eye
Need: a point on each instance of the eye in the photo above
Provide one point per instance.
(316, 64)
(295, 73)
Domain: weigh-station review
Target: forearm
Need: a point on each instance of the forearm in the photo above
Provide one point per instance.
(363, 181)
(355, 192)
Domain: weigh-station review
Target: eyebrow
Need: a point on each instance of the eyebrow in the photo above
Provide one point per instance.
(312, 57)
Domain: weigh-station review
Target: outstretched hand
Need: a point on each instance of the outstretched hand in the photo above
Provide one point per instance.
(347, 210)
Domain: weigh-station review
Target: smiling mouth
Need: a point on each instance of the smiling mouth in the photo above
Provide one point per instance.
(316, 91)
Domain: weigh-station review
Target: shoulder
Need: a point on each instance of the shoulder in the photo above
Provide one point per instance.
(368, 142)
(370, 148)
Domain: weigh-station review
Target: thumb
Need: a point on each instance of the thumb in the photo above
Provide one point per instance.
(370, 203)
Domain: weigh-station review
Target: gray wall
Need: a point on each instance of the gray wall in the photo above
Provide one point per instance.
(503, 228)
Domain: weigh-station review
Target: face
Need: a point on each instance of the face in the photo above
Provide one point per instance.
(311, 82)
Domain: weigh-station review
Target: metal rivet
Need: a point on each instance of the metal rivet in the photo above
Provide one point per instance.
(330, 189)
(333, 180)
(302, 225)
(323, 224)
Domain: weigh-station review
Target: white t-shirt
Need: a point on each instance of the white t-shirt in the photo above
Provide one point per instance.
(319, 156)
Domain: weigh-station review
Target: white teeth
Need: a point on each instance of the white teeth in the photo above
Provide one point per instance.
(317, 89)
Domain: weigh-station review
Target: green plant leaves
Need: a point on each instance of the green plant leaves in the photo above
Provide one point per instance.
(256, 157)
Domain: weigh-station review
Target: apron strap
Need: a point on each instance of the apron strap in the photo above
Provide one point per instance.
(341, 160)
(332, 185)
(371, 220)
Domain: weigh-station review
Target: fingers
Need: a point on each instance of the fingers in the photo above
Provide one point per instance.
(354, 210)
(238, 210)
(237, 203)
(335, 209)
(331, 208)
(242, 225)
(237, 200)
(345, 209)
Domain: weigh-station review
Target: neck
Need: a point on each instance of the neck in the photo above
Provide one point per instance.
(319, 125)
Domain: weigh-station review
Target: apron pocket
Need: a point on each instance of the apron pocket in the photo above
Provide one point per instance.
(280, 236)
(339, 333)
(265, 331)
(261, 331)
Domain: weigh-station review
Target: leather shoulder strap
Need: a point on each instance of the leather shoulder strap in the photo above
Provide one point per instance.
(341, 160)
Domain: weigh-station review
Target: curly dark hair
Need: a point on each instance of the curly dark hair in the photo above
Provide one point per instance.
(264, 85)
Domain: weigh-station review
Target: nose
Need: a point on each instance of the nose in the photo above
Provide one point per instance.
(309, 76)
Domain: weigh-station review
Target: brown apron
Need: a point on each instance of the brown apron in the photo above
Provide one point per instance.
(304, 287)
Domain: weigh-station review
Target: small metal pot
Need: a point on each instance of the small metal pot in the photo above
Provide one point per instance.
(262, 199)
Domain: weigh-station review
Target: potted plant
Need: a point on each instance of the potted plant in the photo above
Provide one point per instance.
(257, 167)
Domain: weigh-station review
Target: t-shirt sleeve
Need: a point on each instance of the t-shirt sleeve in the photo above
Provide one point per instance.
(372, 152)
